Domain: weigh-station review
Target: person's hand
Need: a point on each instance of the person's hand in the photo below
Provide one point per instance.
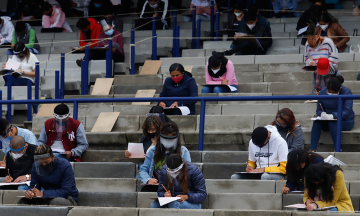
(20, 179)
(167, 194)
(175, 104)
(113, 50)
(224, 82)
(152, 181)
(81, 48)
(201, 10)
(317, 93)
(68, 154)
(312, 63)
(37, 192)
(183, 198)
(2, 164)
(285, 190)
(12, 46)
(311, 207)
(249, 169)
(155, 15)
(8, 179)
(4, 65)
(19, 71)
(259, 170)
(127, 154)
(29, 194)
(162, 104)
(308, 202)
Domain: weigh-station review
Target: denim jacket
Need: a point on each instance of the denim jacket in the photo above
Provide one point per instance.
(147, 168)
(291, 5)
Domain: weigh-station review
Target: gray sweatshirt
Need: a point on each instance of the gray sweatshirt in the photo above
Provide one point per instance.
(293, 141)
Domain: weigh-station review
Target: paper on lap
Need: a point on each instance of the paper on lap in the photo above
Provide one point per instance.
(166, 200)
(12, 65)
(12, 183)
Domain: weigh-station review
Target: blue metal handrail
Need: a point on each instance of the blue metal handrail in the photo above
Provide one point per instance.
(203, 101)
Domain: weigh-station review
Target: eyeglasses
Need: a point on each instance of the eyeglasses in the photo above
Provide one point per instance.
(282, 125)
(6, 132)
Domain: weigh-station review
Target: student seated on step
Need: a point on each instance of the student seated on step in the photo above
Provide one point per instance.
(55, 175)
(54, 19)
(243, 46)
(322, 75)
(289, 129)
(90, 30)
(267, 154)
(180, 84)
(298, 161)
(181, 178)
(26, 34)
(327, 109)
(114, 20)
(285, 8)
(8, 131)
(318, 47)
(26, 70)
(118, 54)
(150, 9)
(219, 75)
(168, 143)
(203, 10)
(19, 161)
(236, 19)
(66, 136)
(6, 30)
(99, 8)
(325, 187)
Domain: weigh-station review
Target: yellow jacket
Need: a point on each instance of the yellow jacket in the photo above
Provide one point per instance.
(341, 196)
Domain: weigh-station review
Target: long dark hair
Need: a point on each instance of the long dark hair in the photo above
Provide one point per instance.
(288, 117)
(326, 18)
(180, 68)
(214, 61)
(173, 162)
(297, 157)
(335, 83)
(152, 120)
(325, 175)
(169, 129)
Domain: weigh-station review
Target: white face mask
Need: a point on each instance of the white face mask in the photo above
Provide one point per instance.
(238, 14)
(174, 175)
(323, 27)
(332, 93)
(251, 26)
(16, 156)
(215, 71)
(153, 6)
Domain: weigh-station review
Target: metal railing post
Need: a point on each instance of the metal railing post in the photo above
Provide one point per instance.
(174, 34)
(75, 115)
(1, 104)
(193, 41)
(9, 83)
(37, 84)
(198, 35)
(212, 20)
(178, 41)
(29, 106)
(339, 126)
(154, 47)
(57, 94)
(109, 64)
(82, 88)
(202, 125)
(86, 71)
(62, 89)
(132, 52)
(217, 24)
(229, 10)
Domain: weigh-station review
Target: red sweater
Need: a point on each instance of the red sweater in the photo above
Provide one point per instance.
(95, 29)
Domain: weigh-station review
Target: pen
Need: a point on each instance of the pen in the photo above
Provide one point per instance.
(164, 187)
(4, 159)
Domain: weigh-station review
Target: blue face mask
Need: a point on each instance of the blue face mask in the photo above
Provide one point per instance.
(97, 5)
(109, 32)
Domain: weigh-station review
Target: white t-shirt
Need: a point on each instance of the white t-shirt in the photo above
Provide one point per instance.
(27, 66)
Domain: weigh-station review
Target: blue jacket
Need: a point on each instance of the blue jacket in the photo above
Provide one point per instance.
(59, 183)
(146, 169)
(185, 88)
(291, 4)
(196, 184)
(331, 106)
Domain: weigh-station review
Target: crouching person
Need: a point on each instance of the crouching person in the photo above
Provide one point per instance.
(180, 178)
(56, 176)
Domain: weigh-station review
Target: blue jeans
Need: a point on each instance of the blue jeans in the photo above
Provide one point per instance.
(358, 77)
(218, 89)
(23, 187)
(61, 156)
(333, 209)
(177, 205)
(15, 81)
(318, 126)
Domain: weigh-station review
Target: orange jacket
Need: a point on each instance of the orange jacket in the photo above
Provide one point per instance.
(95, 29)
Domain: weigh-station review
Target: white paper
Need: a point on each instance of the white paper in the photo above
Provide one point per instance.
(296, 191)
(321, 119)
(26, 18)
(184, 110)
(232, 88)
(136, 150)
(12, 183)
(240, 34)
(302, 30)
(55, 150)
(166, 200)
(116, 2)
(2, 167)
(299, 206)
(12, 65)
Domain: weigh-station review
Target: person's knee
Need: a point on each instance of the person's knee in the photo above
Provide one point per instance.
(205, 90)
(219, 89)
(60, 202)
(22, 201)
(155, 204)
(234, 176)
(265, 176)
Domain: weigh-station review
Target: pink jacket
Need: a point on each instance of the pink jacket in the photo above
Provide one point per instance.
(56, 20)
(228, 75)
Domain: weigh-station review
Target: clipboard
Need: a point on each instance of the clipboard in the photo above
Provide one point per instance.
(309, 68)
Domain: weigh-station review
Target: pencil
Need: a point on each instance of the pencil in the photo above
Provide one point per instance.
(4, 160)
(283, 181)
(321, 107)
(309, 196)
(164, 187)
(221, 78)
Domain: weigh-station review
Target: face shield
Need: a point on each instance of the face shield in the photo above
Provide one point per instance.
(61, 122)
(19, 54)
(43, 164)
(169, 142)
(173, 173)
(17, 153)
(5, 137)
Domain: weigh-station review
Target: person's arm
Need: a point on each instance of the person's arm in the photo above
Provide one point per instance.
(318, 108)
(60, 19)
(252, 158)
(207, 10)
(281, 168)
(252, 163)
(82, 41)
(143, 10)
(208, 78)
(32, 36)
(347, 109)
(164, 13)
(186, 155)
(282, 153)
(5, 148)
(145, 168)
(95, 40)
(193, 93)
(339, 187)
(199, 194)
(266, 42)
(14, 40)
(306, 195)
(31, 138)
(161, 191)
(290, 185)
(68, 182)
(81, 142)
(8, 38)
(34, 179)
(43, 137)
(307, 56)
(46, 21)
(230, 72)
(333, 55)
(191, 9)
(298, 141)
(340, 31)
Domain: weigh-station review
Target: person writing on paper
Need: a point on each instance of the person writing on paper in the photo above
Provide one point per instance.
(54, 17)
(8, 131)
(318, 47)
(90, 30)
(334, 31)
(6, 30)
(168, 143)
(26, 66)
(240, 46)
(322, 75)
(19, 162)
(56, 176)
(298, 161)
(236, 19)
(203, 10)
(26, 34)
(184, 180)
(325, 187)
(65, 135)
(289, 129)
(220, 74)
(327, 109)
(267, 154)
(114, 20)
(151, 9)
(180, 84)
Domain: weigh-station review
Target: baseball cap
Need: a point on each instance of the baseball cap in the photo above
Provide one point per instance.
(323, 66)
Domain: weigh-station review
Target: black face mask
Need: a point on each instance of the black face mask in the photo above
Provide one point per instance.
(47, 167)
(152, 135)
(281, 128)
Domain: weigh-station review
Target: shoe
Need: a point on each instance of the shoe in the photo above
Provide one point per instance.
(220, 54)
(78, 62)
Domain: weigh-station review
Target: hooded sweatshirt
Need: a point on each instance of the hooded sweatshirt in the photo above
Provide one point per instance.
(272, 156)
(6, 30)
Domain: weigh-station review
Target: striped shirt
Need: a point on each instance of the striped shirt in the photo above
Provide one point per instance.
(326, 50)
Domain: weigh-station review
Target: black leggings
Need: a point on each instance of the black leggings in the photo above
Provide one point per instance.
(100, 55)
(245, 48)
